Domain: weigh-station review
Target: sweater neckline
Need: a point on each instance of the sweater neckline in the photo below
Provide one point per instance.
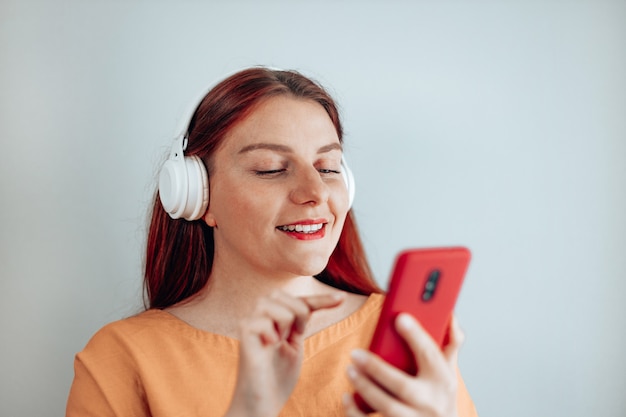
(312, 344)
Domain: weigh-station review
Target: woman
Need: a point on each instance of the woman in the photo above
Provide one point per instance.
(260, 298)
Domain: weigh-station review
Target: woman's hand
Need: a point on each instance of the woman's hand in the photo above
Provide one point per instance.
(393, 392)
(271, 351)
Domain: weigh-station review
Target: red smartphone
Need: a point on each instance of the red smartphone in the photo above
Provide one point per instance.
(425, 283)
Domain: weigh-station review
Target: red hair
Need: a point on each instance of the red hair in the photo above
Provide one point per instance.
(179, 253)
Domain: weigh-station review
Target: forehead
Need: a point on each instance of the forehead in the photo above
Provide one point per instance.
(285, 120)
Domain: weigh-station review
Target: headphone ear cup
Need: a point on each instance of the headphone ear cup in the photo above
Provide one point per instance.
(173, 187)
(198, 185)
(184, 187)
(348, 178)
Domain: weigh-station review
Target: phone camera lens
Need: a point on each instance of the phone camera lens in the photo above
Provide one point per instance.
(431, 285)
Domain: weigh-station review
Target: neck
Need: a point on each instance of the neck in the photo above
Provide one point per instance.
(232, 293)
(234, 288)
(234, 284)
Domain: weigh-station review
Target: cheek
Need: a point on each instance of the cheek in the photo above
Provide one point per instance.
(236, 203)
(338, 230)
(340, 211)
(340, 200)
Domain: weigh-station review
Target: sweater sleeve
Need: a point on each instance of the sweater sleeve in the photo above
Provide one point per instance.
(105, 381)
(465, 405)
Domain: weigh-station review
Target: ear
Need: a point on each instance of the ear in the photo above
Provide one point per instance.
(209, 218)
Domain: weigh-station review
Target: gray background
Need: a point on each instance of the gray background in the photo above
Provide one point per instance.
(499, 125)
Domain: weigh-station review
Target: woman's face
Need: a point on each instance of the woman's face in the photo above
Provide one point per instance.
(277, 198)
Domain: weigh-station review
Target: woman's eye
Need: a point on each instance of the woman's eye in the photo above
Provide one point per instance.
(270, 172)
(277, 172)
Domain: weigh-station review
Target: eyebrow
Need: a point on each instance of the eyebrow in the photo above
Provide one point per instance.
(286, 149)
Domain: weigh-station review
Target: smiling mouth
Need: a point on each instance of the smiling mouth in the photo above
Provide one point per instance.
(302, 228)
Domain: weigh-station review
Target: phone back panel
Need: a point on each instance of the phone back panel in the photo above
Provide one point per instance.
(426, 284)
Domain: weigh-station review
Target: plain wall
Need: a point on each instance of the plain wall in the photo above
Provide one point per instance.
(499, 125)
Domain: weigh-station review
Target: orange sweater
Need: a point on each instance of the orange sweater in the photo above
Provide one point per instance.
(154, 364)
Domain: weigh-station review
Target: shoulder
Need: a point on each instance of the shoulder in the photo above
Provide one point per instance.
(133, 326)
(123, 336)
(107, 372)
(363, 314)
(376, 299)
(151, 335)
(353, 331)
(371, 302)
(372, 306)
(363, 321)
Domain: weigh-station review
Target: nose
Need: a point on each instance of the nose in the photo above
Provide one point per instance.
(309, 187)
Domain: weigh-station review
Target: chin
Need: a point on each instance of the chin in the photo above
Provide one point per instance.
(312, 267)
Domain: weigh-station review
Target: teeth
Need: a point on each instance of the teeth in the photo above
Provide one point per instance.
(302, 228)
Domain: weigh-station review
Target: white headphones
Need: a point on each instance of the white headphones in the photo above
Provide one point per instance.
(184, 182)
